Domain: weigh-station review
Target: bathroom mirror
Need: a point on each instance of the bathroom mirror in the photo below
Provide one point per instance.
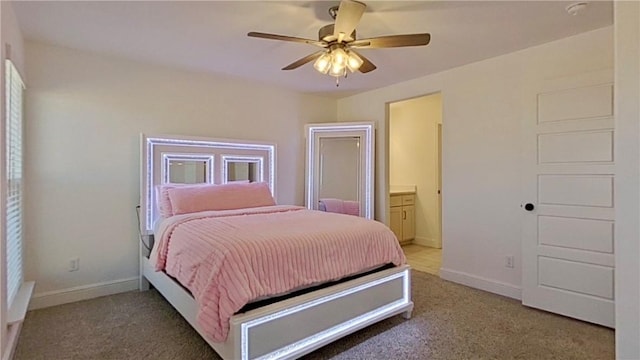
(339, 169)
(187, 169)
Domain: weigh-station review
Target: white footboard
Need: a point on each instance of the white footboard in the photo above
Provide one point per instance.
(291, 328)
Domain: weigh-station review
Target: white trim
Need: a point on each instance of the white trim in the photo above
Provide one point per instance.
(84, 292)
(478, 282)
(13, 331)
(423, 241)
(18, 309)
(626, 195)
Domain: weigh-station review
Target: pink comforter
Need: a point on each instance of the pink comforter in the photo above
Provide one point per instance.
(229, 258)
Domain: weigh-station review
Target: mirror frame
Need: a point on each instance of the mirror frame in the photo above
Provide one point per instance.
(226, 159)
(362, 130)
(168, 157)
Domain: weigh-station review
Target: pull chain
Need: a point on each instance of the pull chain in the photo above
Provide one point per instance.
(338, 79)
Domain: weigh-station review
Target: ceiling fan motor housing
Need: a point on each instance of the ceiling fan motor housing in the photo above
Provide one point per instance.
(326, 33)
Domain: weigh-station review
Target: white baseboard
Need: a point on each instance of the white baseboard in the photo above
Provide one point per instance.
(84, 292)
(478, 282)
(423, 241)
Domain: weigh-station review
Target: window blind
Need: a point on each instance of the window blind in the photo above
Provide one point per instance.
(14, 88)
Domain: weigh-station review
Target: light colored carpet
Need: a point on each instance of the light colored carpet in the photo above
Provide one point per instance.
(449, 321)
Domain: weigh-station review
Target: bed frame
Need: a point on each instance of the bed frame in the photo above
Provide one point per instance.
(289, 328)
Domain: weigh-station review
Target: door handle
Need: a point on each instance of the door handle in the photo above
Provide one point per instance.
(529, 207)
(404, 214)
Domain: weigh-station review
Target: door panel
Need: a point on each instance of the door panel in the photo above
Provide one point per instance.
(590, 257)
(578, 190)
(567, 246)
(586, 234)
(576, 276)
(595, 101)
(409, 222)
(395, 222)
(579, 146)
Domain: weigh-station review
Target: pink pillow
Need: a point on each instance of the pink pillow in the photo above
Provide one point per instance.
(186, 200)
(162, 197)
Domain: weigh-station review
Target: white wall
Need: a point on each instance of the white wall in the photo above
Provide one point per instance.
(413, 159)
(11, 37)
(84, 115)
(481, 149)
(627, 196)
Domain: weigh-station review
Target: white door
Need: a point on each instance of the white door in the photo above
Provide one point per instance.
(568, 209)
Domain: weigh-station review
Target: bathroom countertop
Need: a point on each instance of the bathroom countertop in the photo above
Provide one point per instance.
(402, 189)
(402, 192)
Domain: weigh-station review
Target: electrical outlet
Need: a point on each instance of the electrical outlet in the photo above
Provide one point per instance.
(508, 261)
(74, 264)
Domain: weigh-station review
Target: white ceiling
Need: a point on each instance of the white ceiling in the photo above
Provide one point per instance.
(211, 36)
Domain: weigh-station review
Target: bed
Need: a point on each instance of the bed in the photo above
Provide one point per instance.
(309, 310)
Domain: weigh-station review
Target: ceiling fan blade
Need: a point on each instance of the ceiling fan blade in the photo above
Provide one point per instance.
(392, 41)
(287, 38)
(304, 60)
(367, 65)
(349, 15)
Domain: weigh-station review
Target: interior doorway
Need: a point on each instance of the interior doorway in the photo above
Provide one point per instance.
(415, 179)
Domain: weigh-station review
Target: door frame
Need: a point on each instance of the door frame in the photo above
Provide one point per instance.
(387, 153)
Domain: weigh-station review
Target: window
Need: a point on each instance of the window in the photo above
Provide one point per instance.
(14, 88)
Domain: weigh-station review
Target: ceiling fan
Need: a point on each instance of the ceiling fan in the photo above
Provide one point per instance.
(339, 42)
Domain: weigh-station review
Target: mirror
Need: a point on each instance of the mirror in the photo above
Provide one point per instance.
(242, 171)
(340, 168)
(187, 172)
(242, 168)
(187, 169)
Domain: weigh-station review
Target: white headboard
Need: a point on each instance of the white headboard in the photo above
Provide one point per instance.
(158, 151)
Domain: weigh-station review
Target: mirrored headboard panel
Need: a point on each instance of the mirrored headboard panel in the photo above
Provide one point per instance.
(339, 169)
(193, 160)
(187, 168)
(242, 168)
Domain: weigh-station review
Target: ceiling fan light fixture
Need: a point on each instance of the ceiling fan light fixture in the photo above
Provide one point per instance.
(323, 63)
(354, 61)
(339, 57)
(337, 70)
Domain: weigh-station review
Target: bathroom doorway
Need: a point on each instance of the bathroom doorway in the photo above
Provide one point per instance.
(415, 181)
